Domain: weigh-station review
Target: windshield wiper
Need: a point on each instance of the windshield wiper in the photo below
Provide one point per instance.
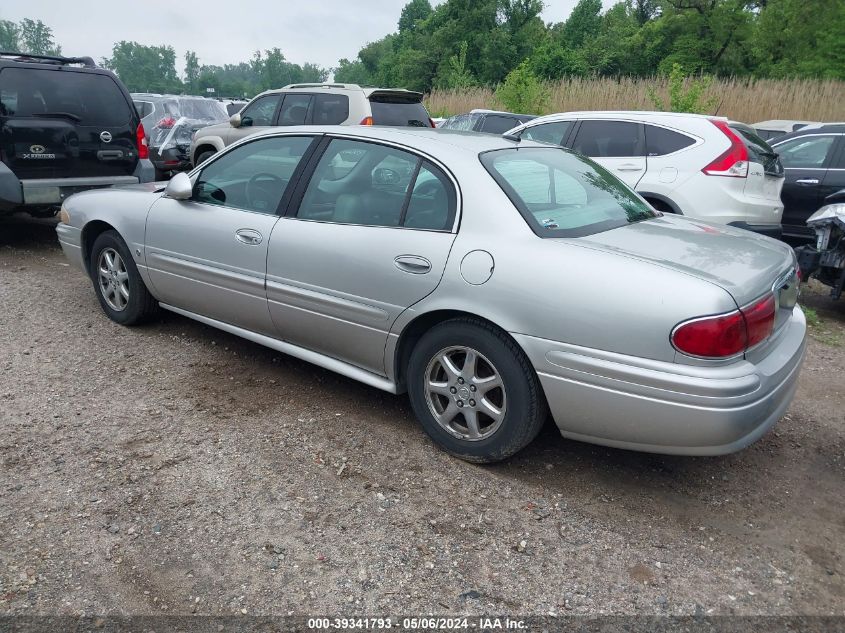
(66, 115)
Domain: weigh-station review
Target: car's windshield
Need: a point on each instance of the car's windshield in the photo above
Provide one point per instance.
(561, 194)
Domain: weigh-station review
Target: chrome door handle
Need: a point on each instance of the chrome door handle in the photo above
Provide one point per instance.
(413, 264)
(629, 167)
(807, 181)
(248, 236)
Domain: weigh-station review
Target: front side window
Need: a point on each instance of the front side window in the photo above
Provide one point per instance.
(260, 111)
(561, 194)
(253, 176)
(294, 109)
(375, 185)
(554, 133)
(806, 151)
(608, 139)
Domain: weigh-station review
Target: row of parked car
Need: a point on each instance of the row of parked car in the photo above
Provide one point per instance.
(494, 277)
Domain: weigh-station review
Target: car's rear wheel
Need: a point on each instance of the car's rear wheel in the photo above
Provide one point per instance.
(121, 291)
(203, 156)
(474, 391)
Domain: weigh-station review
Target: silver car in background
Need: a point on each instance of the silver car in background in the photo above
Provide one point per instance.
(493, 280)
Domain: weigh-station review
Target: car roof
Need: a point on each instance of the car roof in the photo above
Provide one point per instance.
(816, 128)
(627, 113)
(338, 87)
(777, 124)
(427, 139)
(513, 114)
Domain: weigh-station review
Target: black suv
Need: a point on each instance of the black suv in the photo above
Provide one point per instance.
(65, 126)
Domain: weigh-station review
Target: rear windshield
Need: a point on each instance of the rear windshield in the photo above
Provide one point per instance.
(398, 110)
(198, 109)
(85, 98)
(759, 151)
(562, 194)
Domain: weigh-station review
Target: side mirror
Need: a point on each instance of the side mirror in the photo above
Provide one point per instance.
(235, 120)
(179, 187)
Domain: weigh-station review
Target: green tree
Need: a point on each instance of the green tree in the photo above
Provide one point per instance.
(192, 71)
(457, 75)
(523, 92)
(37, 38)
(583, 23)
(145, 68)
(413, 13)
(10, 34)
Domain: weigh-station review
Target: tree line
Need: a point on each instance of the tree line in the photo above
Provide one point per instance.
(464, 43)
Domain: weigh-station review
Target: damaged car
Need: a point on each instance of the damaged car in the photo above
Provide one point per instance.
(826, 259)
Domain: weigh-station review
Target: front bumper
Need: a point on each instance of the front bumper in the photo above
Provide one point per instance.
(70, 239)
(660, 407)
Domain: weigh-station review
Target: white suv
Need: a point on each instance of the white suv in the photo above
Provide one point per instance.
(314, 104)
(703, 167)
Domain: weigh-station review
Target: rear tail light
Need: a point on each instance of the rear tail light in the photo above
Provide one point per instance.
(726, 335)
(431, 122)
(734, 161)
(141, 140)
(367, 120)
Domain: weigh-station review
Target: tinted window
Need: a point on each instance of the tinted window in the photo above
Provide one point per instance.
(432, 201)
(660, 141)
(805, 151)
(252, 177)
(553, 133)
(294, 109)
(561, 194)
(608, 139)
(87, 98)
(398, 110)
(498, 124)
(331, 109)
(260, 111)
(374, 185)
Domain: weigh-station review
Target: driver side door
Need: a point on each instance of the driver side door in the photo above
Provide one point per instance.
(208, 254)
(258, 115)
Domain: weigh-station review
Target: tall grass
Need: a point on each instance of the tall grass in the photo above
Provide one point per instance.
(742, 99)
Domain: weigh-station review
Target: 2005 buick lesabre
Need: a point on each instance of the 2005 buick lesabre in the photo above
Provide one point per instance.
(493, 280)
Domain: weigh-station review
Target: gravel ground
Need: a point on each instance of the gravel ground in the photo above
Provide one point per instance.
(176, 469)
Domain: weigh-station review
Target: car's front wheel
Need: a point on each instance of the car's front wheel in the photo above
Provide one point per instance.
(121, 291)
(474, 391)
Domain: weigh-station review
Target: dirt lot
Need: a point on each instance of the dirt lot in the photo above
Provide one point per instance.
(177, 469)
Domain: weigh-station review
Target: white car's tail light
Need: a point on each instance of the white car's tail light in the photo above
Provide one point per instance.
(734, 161)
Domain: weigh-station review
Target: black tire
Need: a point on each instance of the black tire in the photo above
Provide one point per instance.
(526, 408)
(140, 306)
(161, 175)
(661, 206)
(204, 156)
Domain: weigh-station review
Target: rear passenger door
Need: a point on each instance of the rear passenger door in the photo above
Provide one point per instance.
(618, 146)
(364, 238)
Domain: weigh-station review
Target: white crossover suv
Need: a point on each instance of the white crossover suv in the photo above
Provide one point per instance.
(704, 167)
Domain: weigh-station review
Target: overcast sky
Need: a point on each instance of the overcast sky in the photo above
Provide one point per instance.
(224, 31)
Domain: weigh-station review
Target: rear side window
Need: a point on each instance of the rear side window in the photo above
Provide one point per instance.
(608, 139)
(294, 109)
(497, 124)
(144, 108)
(554, 133)
(561, 194)
(331, 109)
(659, 141)
(89, 99)
(398, 110)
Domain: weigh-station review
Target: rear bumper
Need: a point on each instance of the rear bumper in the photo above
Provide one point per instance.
(654, 406)
(46, 192)
(769, 230)
(170, 159)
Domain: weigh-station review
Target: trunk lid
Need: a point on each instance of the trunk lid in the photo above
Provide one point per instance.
(745, 264)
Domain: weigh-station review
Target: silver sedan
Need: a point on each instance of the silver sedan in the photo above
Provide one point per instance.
(493, 280)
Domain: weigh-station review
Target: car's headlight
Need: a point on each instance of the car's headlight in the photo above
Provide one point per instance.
(64, 216)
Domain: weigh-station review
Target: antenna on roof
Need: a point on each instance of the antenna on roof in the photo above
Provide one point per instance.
(512, 137)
